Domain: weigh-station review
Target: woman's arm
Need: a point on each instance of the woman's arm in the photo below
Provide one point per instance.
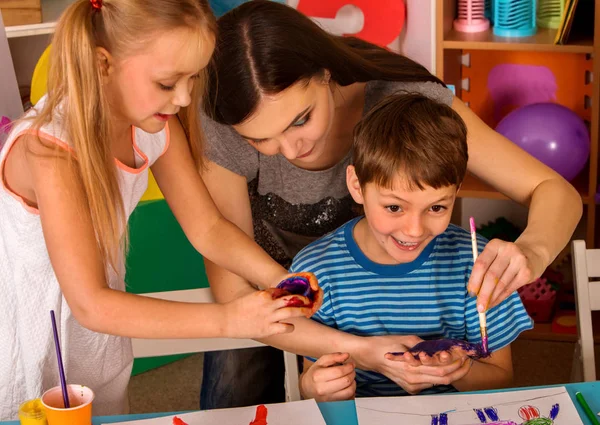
(76, 260)
(215, 237)
(554, 205)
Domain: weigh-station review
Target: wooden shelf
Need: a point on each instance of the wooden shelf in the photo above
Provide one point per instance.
(472, 187)
(30, 30)
(543, 41)
(51, 10)
(543, 332)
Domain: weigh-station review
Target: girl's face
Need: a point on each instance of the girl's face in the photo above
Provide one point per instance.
(148, 87)
(294, 123)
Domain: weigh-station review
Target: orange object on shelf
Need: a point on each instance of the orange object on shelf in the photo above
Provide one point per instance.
(565, 322)
(568, 69)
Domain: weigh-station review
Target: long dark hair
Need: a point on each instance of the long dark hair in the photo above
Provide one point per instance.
(264, 47)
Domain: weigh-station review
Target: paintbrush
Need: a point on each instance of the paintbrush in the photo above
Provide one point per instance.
(482, 318)
(61, 370)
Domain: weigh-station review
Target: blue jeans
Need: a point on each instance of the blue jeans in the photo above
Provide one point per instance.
(237, 378)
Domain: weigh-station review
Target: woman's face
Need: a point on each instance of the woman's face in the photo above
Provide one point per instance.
(294, 123)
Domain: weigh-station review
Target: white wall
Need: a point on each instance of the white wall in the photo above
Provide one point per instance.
(10, 100)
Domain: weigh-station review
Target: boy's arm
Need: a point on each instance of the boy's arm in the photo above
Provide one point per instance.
(491, 373)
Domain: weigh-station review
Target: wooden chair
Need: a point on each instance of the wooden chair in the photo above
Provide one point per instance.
(164, 347)
(586, 265)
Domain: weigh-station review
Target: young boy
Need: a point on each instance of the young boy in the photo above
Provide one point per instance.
(403, 269)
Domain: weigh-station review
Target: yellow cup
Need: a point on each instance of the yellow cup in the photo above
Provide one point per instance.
(32, 413)
(80, 399)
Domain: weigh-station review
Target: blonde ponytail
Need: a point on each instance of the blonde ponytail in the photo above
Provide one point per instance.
(77, 99)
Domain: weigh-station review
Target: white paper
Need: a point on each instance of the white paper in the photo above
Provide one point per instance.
(460, 408)
(304, 412)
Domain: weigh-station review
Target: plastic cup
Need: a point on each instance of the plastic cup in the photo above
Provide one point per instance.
(80, 399)
(32, 412)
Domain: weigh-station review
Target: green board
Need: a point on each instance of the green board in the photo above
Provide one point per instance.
(160, 258)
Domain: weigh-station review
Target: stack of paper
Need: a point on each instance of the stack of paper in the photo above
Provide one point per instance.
(293, 413)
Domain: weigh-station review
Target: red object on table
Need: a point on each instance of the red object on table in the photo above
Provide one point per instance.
(177, 421)
(261, 415)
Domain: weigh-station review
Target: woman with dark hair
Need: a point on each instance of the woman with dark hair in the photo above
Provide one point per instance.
(283, 98)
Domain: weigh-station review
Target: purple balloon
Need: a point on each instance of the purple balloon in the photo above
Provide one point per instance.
(555, 135)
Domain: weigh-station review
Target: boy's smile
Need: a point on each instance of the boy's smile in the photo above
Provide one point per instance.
(400, 222)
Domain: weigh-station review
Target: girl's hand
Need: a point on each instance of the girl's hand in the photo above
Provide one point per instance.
(329, 379)
(258, 315)
(502, 268)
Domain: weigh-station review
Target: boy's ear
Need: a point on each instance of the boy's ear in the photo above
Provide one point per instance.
(354, 185)
(105, 62)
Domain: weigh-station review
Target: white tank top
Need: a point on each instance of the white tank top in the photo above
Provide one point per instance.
(29, 290)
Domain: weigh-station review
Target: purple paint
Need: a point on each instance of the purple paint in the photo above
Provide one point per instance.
(484, 344)
(514, 85)
(432, 347)
(5, 127)
(480, 415)
(491, 412)
(443, 419)
(297, 285)
(554, 411)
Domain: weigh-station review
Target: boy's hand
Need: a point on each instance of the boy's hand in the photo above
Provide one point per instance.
(441, 358)
(409, 373)
(414, 376)
(258, 315)
(500, 269)
(329, 379)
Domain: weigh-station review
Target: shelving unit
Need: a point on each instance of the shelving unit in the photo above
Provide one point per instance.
(449, 50)
(450, 45)
(51, 10)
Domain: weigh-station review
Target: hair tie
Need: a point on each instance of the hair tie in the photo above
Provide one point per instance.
(96, 4)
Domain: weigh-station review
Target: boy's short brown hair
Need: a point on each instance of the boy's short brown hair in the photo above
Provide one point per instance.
(409, 133)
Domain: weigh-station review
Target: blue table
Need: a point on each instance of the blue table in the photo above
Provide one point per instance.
(344, 412)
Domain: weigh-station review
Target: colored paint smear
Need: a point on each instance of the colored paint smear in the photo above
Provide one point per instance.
(261, 415)
(435, 346)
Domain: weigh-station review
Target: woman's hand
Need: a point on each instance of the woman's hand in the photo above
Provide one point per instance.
(502, 268)
(330, 378)
(258, 315)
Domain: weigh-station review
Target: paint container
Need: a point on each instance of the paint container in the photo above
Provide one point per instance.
(32, 412)
(80, 412)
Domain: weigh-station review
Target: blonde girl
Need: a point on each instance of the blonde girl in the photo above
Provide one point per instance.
(71, 173)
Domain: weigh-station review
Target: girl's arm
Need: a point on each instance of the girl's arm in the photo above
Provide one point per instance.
(215, 237)
(487, 374)
(553, 204)
(76, 261)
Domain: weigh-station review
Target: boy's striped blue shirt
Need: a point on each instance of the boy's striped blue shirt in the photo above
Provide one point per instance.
(427, 297)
